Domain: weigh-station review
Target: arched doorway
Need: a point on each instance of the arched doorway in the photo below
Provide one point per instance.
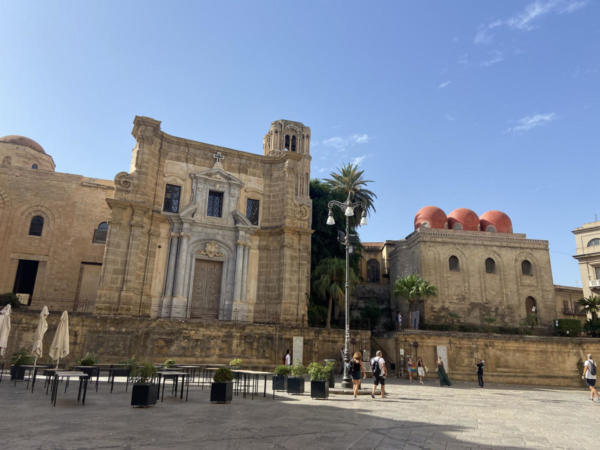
(530, 305)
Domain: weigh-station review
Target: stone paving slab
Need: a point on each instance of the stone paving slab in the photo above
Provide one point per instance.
(410, 417)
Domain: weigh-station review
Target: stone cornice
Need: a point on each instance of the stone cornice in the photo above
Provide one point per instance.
(475, 238)
(587, 256)
(587, 228)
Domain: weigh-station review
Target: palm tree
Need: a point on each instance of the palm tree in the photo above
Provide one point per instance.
(349, 181)
(591, 305)
(330, 276)
(413, 288)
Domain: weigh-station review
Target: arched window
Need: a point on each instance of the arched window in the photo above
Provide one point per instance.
(526, 268)
(287, 142)
(36, 226)
(100, 233)
(594, 242)
(530, 305)
(34, 166)
(293, 143)
(373, 271)
(490, 265)
(454, 264)
(457, 226)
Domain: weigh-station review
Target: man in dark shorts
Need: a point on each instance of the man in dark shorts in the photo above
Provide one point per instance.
(589, 374)
(480, 365)
(379, 373)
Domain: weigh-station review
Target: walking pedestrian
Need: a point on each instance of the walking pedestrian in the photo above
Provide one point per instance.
(357, 371)
(410, 367)
(420, 369)
(287, 358)
(379, 373)
(444, 380)
(399, 319)
(589, 374)
(480, 365)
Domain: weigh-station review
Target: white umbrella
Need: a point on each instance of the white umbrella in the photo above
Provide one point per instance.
(38, 340)
(4, 328)
(60, 344)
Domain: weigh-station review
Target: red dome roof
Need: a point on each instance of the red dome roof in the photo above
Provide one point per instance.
(496, 221)
(463, 219)
(431, 217)
(24, 141)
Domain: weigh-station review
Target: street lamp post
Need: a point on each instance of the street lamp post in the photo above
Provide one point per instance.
(348, 208)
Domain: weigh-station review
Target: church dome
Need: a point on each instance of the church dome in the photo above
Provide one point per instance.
(463, 219)
(496, 221)
(24, 141)
(430, 217)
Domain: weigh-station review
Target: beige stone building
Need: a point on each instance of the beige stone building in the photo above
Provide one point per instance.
(482, 269)
(587, 242)
(52, 229)
(191, 231)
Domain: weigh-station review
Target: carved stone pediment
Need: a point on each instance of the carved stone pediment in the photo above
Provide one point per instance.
(211, 250)
(216, 174)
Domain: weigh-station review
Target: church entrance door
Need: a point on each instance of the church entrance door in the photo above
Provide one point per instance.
(206, 292)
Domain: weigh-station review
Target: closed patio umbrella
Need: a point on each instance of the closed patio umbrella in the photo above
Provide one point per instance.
(4, 331)
(60, 344)
(38, 339)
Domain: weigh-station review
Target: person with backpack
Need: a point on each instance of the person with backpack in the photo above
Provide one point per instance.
(357, 371)
(379, 373)
(589, 375)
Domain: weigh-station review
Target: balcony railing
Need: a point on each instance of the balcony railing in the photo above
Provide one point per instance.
(595, 283)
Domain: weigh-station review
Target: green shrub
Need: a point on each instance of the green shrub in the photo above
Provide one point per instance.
(567, 327)
(144, 373)
(298, 370)
(9, 299)
(319, 372)
(131, 364)
(223, 375)
(235, 364)
(282, 371)
(90, 359)
(169, 363)
(22, 358)
(592, 327)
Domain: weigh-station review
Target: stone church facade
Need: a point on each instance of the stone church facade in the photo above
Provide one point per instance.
(192, 230)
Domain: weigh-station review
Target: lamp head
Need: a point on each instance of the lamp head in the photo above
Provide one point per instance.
(363, 219)
(330, 219)
(349, 211)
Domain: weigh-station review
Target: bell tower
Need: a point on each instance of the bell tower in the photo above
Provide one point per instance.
(288, 136)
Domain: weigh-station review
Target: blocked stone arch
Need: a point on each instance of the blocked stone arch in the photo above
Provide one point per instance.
(197, 250)
(525, 255)
(26, 214)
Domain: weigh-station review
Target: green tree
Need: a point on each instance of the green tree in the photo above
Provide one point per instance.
(591, 305)
(413, 288)
(349, 181)
(329, 280)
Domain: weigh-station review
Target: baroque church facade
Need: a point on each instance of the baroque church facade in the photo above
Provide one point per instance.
(191, 231)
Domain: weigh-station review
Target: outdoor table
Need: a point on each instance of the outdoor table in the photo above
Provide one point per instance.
(68, 374)
(33, 377)
(163, 375)
(190, 368)
(91, 371)
(251, 379)
(121, 371)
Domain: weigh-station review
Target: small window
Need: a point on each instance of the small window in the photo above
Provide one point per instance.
(252, 208)
(490, 265)
(34, 166)
(36, 226)
(457, 226)
(526, 268)
(100, 233)
(172, 195)
(594, 242)
(597, 272)
(287, 142)
(215, 204)
(373, 271)
(454, 264)
(293, 143)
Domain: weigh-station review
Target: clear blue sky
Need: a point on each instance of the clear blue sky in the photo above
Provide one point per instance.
(483, 105)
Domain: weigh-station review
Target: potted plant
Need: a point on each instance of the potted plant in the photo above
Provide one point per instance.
(319, 379)
(145, 391)
(20, 358)
(89, 361)
(280, 377)
(221, 390)
(295, 383)
(169, 364)
(235, 364)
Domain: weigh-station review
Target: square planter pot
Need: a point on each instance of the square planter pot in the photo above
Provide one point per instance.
(319, 389)
(144, 394)
(221, 392)
(17, 373)
(295, 385)
(279, 382)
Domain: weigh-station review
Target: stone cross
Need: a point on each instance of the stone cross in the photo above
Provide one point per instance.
(218, 156)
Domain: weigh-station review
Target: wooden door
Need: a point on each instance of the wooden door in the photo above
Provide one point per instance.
(206, 292)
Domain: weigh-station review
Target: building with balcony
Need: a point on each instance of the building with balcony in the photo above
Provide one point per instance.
(587, 241)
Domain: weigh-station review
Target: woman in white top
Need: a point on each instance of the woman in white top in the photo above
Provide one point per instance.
(589, 374)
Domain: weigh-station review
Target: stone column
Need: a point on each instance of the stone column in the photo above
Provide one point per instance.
(169, 278)
(239, 263)
(179, 308)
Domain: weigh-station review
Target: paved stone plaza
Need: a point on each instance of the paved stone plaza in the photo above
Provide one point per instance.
(412, 416)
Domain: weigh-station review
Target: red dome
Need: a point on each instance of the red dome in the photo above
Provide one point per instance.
(496, 221)
(463, 219)
(430, 217)
(24, 141)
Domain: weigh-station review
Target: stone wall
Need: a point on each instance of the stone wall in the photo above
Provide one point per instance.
(114, 339)
(531, 360)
